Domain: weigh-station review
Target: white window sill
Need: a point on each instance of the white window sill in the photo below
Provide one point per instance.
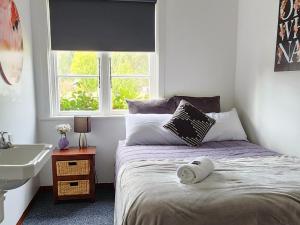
(69, 117)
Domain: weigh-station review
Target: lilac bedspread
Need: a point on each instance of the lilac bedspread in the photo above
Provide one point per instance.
(213, 150)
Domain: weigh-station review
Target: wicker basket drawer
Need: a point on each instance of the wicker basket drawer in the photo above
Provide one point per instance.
(76, 187)
(76, 167)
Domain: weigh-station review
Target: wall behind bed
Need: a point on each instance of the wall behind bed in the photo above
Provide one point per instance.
(199, 46)
(268, 102)
(197, 56)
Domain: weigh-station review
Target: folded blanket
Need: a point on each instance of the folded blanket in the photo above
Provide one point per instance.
(196, 171)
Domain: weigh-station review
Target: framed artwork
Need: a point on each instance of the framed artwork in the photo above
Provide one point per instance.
(11, 43)
(288, 36)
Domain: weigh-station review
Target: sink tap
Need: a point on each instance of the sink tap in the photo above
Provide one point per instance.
(3, 143)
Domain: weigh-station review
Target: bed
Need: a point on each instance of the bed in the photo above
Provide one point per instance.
(250, 186)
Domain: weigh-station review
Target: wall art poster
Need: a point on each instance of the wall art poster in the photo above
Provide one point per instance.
(288, 36)
(11, 42)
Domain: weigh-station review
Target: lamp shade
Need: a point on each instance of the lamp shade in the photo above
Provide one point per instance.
(82, 124)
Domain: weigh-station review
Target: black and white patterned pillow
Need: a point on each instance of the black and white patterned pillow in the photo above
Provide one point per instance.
(189, 124)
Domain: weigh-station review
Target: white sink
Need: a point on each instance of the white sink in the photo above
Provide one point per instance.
(2, 198)
(21, 162)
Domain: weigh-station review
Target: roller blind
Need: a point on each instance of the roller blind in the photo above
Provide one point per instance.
(102, 25)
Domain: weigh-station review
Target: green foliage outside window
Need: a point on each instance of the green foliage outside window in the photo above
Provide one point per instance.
(84, 63)
(83, 93)
(130, 88)
(132, 64)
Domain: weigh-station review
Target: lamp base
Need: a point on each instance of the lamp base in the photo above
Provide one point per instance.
(82, 141)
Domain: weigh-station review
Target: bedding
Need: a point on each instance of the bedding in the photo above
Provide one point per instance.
(251, 185)
(158, 106)
(168, 106)
(147, 129)
(205, 104)
(213, 150)
(189, 124)
(228, 127)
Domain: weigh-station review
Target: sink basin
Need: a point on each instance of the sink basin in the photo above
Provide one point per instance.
(2, 198)
(21, 162)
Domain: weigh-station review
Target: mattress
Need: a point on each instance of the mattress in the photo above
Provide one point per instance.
(250, 186)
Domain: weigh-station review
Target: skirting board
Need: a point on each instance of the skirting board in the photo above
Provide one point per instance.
(109, 186)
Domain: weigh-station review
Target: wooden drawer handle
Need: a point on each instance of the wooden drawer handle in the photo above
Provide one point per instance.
(72, 163)
(73, 184)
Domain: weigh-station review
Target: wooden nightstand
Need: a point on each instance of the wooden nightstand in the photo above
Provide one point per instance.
(74, 174)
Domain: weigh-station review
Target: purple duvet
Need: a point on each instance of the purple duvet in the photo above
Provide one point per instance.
(213, 150)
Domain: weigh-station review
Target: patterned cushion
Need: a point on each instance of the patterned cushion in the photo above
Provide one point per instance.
(189, 124)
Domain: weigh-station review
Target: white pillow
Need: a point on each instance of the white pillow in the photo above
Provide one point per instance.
(228, 127)
(147, 129)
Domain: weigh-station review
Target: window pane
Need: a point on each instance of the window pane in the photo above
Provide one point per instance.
(77, 63)
(124, 63)
(78, 94)
(128, 88)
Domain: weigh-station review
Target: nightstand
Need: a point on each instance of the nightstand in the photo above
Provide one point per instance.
(74, 174)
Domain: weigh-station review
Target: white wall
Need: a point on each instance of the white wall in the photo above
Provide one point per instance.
(268, 101)
(200, 48)
(197, 55)
(17, 115)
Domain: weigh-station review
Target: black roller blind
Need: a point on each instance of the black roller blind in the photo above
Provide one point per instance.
(102, 25)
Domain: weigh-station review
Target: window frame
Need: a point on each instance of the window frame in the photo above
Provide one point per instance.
(104, 90)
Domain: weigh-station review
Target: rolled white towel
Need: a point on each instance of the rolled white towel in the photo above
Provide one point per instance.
(196, 171)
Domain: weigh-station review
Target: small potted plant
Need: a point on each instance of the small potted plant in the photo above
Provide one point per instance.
(63, 129)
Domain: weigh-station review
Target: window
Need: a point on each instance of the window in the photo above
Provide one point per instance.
(99, 82)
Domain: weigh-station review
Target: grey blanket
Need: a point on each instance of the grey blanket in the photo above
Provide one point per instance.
(244, 191)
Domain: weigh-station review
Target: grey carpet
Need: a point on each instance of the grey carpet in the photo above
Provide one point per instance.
(45, 212)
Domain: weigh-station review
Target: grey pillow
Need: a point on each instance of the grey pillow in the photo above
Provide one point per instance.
(205, 104)
(161, 106)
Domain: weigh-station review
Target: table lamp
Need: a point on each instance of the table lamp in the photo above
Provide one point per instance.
(82, 125)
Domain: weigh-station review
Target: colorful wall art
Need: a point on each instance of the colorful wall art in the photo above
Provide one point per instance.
(11, 42)
(288, 36)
